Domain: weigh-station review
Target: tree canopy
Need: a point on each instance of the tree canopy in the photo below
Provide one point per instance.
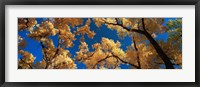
(71, 43)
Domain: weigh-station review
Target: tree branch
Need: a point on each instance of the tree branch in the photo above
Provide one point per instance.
(143, 25)
(43, 47)
(158, 49)
(132, 30)
(138, 58)
(57, 50)
(101, 61)
(125, 61)
(44, 55)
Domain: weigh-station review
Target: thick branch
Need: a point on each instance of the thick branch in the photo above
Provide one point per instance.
(143, 25)
(158, 49)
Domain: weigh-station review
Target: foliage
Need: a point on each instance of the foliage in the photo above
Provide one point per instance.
(145, 52)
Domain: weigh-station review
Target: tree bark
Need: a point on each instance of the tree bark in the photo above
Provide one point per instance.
(158, 49)
(160, 52)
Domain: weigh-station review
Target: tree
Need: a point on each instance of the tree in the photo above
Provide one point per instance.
(144, 53)
(147, 25)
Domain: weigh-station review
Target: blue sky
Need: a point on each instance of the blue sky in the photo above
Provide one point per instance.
(34, 47)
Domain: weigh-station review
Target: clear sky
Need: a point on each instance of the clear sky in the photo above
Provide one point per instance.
(34, 47)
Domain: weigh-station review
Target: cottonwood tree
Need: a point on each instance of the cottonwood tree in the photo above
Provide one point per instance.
(144, 53)
(53, 56)
(147, 28)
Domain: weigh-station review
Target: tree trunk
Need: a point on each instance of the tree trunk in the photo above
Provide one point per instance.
(158, 49)
(160, 52)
